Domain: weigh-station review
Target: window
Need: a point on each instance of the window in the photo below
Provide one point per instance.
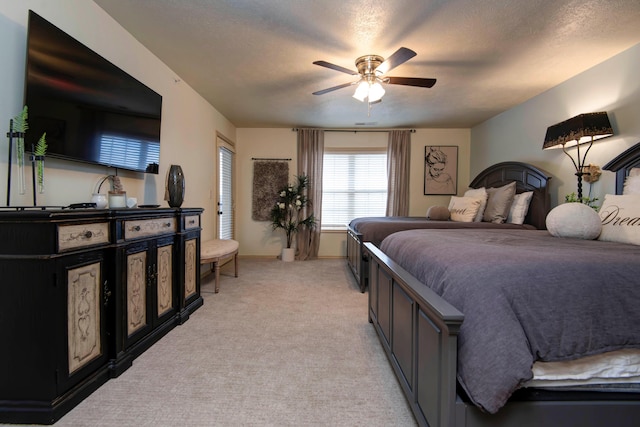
(354, 184)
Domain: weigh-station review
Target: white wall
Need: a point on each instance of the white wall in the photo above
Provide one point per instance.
(189, 123)
(518, 134)
(257, 239)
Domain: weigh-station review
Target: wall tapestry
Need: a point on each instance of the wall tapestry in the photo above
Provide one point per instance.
(269, 177)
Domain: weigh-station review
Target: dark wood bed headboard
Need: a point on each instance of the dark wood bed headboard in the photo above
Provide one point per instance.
(623, 164)
(527, 178)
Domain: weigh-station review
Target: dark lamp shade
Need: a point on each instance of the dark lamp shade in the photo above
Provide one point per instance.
(578, 130)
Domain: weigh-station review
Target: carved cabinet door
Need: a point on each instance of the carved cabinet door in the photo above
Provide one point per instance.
(150, 286)
(87, 295)
(191, 268)
(164, 279)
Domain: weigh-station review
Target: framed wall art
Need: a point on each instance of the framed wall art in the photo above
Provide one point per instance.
(440, 170)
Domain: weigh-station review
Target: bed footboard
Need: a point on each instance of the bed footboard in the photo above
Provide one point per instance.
(356, 258)
(418, 331)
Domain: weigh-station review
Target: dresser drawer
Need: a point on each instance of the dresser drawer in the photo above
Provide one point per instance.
(148, 227)
(191, 221)
(82, 235)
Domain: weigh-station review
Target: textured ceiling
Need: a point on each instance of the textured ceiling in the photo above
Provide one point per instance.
(252, 59)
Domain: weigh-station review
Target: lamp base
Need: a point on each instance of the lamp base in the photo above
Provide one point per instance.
(579, 174)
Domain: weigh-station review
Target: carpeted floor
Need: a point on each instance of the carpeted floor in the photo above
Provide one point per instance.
(285, 344)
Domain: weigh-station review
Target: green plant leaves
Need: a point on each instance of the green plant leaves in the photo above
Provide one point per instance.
(20, 121)
(41, 146)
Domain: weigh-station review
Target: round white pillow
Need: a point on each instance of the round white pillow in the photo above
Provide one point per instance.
(575, 220)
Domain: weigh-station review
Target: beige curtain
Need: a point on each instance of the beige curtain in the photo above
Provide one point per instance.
(398, 155)
(310, 154)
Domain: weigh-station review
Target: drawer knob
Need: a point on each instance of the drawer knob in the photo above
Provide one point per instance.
(136, 228)
(88, 234)
(192, 221)
(167, 224)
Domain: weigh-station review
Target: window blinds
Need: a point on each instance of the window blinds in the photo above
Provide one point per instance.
(354, 184)
(225, 194)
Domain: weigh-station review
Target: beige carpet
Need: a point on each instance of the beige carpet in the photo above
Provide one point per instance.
(285, 344)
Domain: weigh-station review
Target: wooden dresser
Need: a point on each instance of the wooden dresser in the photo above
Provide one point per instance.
(82, 294)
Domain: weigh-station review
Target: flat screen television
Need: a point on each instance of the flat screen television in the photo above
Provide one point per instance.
(91, 110)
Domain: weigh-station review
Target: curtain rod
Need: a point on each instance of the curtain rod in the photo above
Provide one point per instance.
(265, 158)
(358, 130)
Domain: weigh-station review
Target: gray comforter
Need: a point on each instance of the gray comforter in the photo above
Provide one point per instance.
(375, 229)
(525, 296)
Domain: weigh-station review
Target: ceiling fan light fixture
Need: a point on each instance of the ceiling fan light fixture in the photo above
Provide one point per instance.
(362, 91)
(373, 91)
(376, 92)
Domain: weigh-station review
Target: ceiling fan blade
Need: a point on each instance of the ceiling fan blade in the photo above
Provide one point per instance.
(331, 89)
(399, 57)
(410, 81)
(335, 67)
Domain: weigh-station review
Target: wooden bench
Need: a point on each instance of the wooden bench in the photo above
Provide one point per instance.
(217, 250)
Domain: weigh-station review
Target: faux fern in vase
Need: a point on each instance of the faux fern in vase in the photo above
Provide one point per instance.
(19, 128)
(38, 153)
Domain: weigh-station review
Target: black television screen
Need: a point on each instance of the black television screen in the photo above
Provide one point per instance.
(91, 110)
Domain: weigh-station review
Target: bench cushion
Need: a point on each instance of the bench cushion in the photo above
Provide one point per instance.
(212, 249)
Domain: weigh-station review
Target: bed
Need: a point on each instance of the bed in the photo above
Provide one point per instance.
(428, 333)
(375, 229)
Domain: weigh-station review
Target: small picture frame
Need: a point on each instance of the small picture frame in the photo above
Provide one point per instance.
(440, 170)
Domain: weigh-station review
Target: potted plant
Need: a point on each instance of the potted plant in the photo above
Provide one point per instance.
(573, 198)
(288, 212)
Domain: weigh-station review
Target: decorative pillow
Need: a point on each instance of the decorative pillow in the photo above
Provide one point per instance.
(464, 209)
(499, 203)
(519, 207)
(620, 215)
(479, 193)
(574, 220)
(438, 213)
(631, 184)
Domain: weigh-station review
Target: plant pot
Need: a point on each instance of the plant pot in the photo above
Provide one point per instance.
(288, 254)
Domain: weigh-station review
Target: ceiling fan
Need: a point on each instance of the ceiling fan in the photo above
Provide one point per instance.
(372, 70)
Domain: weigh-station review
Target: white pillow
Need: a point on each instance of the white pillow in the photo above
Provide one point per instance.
(620, 215)
(478, 193)
(519, 207)
(631, 184)
(574, 220)
(464, 209)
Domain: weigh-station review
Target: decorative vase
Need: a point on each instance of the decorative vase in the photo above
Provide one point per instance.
(288, 254)
(175, 186)
(100, 200)
(39, 164)
(20, 162)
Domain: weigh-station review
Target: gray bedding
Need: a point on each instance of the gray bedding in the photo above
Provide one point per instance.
(375, 229)
(525, 296)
